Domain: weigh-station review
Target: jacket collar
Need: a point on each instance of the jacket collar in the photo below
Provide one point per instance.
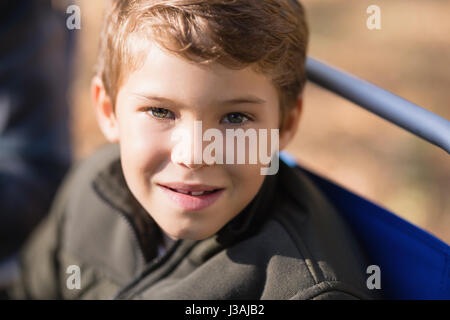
(111, 185)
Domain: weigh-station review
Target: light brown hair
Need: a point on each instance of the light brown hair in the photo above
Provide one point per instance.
(271, 36)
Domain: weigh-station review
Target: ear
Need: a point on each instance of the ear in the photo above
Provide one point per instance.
(291, 123)
(104, 110)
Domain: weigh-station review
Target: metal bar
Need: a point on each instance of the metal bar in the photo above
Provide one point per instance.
(383, 103)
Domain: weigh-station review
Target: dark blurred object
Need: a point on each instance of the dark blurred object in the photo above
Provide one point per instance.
(35, 152)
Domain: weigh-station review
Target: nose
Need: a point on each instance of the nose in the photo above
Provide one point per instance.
(192, 166)
(188, 148)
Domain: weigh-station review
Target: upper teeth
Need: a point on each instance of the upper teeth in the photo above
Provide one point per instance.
(194, 193)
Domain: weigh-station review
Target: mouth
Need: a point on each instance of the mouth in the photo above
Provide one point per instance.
(192, 197)
(191, 189)
(193, 193)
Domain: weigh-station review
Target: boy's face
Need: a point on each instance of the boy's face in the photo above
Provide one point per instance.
(169, 93)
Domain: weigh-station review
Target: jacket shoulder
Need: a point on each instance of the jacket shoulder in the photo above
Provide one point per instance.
(316, 237)
(97, 230)
(47, 254)
(86, 170)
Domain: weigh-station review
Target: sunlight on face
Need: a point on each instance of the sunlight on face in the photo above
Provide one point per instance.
(170, 93)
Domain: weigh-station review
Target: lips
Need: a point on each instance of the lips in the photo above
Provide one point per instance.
(189, 187)
(191, 197)
(193, 193)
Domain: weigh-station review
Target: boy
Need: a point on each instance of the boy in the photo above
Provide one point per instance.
(143, 218)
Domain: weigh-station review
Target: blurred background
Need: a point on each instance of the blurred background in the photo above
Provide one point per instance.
(409, 56)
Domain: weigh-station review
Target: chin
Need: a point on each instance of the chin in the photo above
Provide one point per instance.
(189, 233)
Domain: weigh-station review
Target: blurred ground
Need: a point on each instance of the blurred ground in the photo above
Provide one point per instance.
(409, 56)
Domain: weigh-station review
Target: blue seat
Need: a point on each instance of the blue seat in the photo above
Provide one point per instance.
(413, 263)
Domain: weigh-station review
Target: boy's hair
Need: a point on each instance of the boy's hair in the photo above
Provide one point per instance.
(271, 36)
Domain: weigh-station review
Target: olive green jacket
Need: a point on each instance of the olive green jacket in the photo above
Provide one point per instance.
(288, 243)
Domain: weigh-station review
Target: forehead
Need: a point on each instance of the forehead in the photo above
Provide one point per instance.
(166, 74)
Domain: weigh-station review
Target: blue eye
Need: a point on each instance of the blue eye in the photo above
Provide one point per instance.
(161, 113)
(235, 118)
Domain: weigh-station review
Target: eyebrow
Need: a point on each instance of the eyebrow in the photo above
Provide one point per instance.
(249, 99)
(240, 100)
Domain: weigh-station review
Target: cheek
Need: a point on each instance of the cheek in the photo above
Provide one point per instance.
(246, 179)
(143, 149)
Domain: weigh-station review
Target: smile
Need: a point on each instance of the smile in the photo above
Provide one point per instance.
(194, 193)
(192, 197)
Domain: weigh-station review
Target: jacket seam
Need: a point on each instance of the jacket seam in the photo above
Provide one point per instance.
(331, 286)
(305, 255)
(136, 245)
(333, 290)
(92, 261)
